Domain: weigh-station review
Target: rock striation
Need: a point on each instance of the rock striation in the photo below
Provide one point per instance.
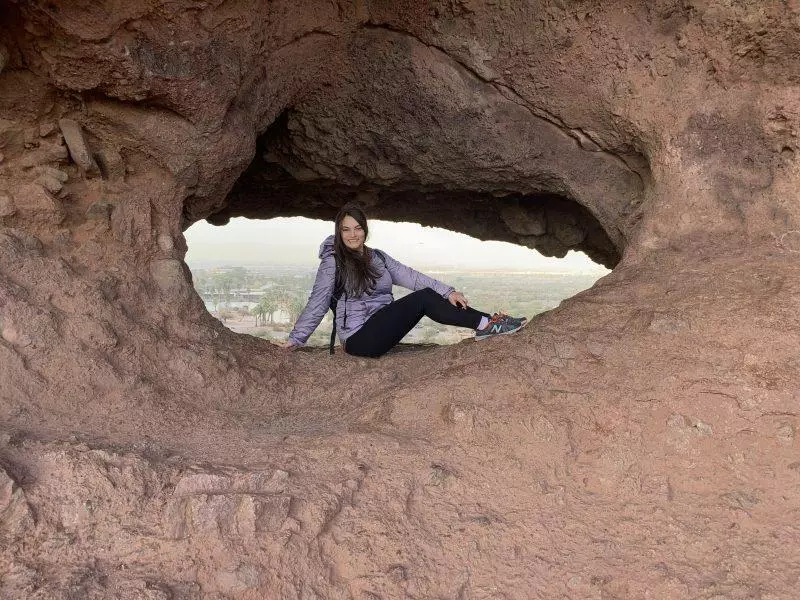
(640, 441)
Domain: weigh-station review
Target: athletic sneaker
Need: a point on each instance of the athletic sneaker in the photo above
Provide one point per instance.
(500, 324)
(521, 320)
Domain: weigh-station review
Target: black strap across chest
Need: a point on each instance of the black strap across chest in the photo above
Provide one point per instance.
(339, 291)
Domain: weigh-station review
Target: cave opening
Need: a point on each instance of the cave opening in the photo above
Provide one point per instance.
(282, 180)
(255, 275)
(286, 180)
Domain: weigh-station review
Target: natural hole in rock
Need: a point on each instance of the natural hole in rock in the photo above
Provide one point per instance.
(287, 177)
(255, 275)
(298, 170)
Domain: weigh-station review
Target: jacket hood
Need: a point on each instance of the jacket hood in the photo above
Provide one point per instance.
(326, 247)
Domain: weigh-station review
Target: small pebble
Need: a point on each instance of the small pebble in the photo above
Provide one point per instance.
(46, 129)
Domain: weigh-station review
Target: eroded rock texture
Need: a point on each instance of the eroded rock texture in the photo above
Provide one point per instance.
(637, 442)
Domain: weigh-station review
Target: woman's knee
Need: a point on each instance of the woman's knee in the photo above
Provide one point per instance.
(429, 294)
(421, 297)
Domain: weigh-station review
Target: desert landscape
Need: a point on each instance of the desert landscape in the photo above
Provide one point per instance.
(637, 441)
(265, 301)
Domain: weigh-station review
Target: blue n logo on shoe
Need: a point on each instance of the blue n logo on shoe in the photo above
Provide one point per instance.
(496, 328)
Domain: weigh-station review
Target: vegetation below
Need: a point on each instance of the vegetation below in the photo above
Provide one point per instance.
(266, 301)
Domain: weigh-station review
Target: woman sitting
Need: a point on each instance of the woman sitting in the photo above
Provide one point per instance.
(368, 319)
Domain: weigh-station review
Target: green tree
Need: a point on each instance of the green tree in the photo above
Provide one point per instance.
(294, 307)
(258, 312)
(222, 283)
(267, 305)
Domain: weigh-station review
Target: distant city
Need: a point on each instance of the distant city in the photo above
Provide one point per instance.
(265, 300)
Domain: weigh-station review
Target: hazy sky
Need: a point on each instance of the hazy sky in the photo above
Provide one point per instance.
(295, 241)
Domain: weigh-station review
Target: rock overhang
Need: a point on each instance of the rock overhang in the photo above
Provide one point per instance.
(402, 121)
(664, 397)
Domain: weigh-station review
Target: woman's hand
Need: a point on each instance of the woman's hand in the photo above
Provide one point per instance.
(458, 299)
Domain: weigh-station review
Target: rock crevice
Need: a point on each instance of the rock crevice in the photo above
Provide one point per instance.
(649, 419)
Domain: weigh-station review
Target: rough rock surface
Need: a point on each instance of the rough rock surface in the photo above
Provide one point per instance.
(640, 441)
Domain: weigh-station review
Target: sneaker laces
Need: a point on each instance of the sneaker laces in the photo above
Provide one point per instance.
(501, 316)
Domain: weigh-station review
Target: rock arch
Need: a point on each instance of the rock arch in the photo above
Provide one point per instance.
(663, 397)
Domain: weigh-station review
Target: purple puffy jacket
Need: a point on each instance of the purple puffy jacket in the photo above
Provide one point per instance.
(358, 309)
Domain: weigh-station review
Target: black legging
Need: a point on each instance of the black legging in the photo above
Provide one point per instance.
(390, 324)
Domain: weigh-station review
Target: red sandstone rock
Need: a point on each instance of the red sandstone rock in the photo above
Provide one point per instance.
(78, 149)
(7, 207)
(637, 442)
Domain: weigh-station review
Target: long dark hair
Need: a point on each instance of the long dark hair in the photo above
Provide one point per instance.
(355, 273)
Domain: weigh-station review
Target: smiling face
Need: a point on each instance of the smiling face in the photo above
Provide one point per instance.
(353, 235)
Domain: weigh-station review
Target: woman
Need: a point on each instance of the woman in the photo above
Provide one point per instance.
(369, 320)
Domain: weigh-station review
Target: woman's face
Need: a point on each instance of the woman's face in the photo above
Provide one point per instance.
(352, 233)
